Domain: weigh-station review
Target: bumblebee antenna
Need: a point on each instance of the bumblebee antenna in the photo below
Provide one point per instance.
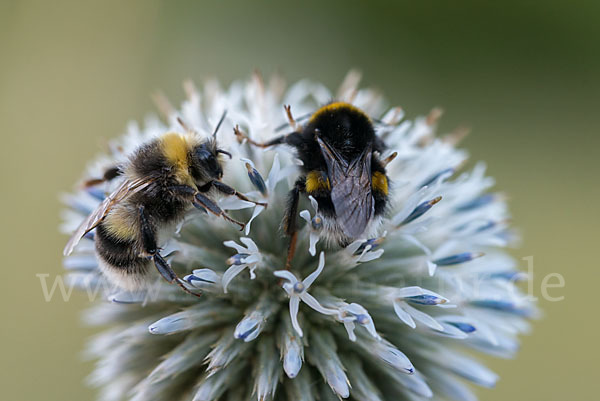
(224, 152)
(219, 124)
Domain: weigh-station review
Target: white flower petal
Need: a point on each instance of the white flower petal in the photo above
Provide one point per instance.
(314, 203)
(236, 246)
(349, 326)
(423, 317)
(287, 275)
(410, 205)
(230, 274)
(313, 238)
(257, 210)
(409, 292)
(431, 267)
(313, 303)
(233, 203)
(274, 176)
(313, 276)
(353, 247)
(294, 304)
(305, 215)
(371, 329)
(251, 245)
(207, 275)
(403, 315)
(288, 288)
(369, 256)
(249, 161)
(356, 309)
(252, 259)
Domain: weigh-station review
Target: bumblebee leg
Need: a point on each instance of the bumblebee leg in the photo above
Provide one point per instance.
(150, 247)
(289, 218)
(109, 175)
(283, 139)
(163, 268)
(290, 117)
(148, 234)
(226, 189)
(183, 190)
(205, 203)
(388, 159)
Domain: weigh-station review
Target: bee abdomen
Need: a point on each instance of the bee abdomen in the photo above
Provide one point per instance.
(317, 181)
(119, 260)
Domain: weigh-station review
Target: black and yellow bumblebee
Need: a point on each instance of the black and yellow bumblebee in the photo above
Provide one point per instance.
(161, 181)
(341, 169)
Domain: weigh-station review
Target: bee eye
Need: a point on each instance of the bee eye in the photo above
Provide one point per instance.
(203, 155)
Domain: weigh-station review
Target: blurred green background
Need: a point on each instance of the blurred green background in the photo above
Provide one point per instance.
(522, 74)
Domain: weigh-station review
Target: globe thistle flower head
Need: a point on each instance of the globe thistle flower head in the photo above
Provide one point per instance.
(393, 316)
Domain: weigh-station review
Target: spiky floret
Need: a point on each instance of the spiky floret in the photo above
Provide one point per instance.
(384, 318)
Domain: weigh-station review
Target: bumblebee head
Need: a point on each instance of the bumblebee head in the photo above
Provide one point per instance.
(344, 128)
(206, 164)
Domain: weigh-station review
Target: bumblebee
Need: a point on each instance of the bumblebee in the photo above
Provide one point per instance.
(161, 181)
(341, 170)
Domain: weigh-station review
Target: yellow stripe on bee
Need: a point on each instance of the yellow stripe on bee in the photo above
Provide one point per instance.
(379, 182)
(120, 224)
(176, 147)
(336, 106)
(315, 182)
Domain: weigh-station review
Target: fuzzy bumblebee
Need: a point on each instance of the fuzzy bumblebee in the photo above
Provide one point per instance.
(161, 181)
(340, 169)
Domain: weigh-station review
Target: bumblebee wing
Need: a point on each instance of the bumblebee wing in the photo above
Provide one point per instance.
(127, 188)
(350, 190)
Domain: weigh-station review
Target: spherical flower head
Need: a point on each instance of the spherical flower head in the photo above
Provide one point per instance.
(390, 317)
